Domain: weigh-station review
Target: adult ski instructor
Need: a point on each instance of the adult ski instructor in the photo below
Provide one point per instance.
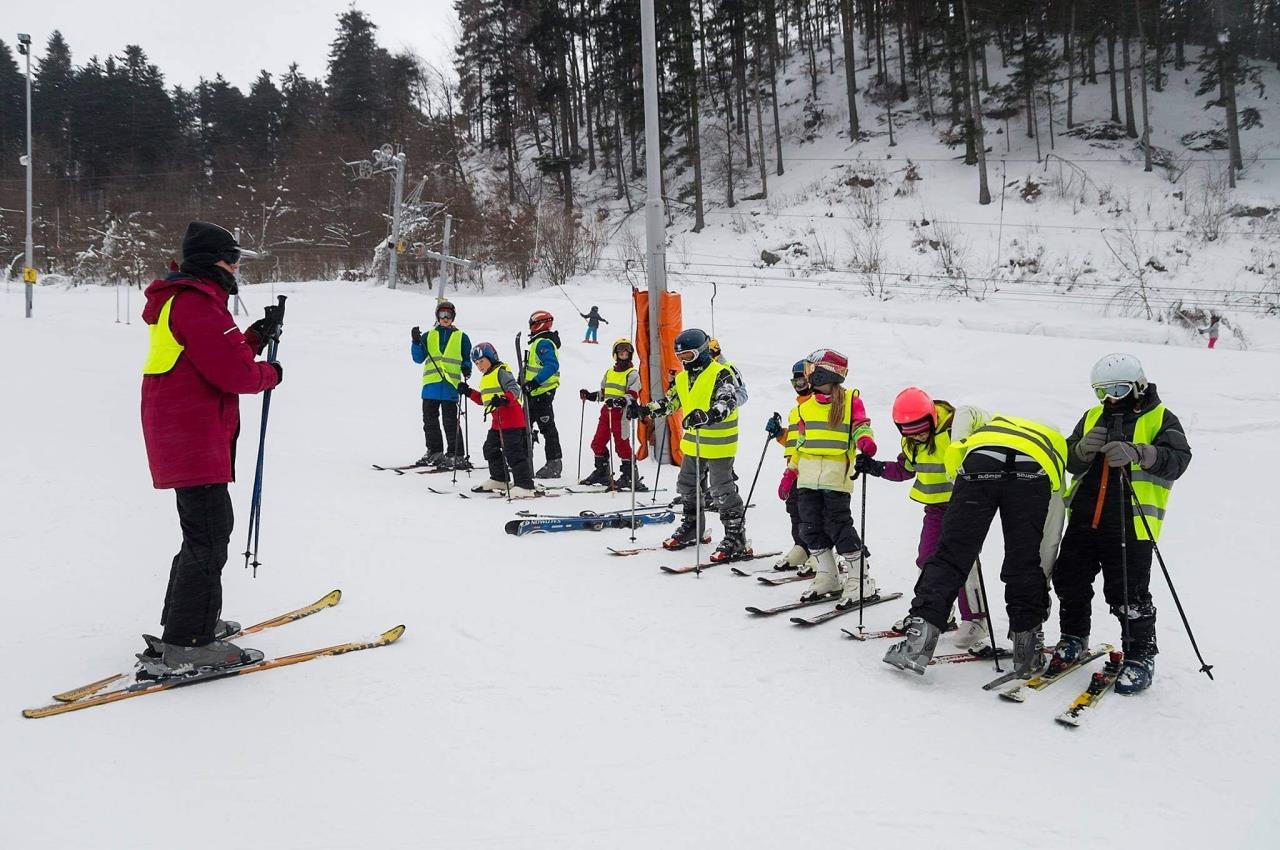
(198, 365)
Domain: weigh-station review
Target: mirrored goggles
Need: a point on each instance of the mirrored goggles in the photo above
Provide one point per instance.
(444, 316)
(1115, 392)
(687, 356)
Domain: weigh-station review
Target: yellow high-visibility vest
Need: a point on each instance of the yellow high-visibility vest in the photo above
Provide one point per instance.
(1152, 492)
(533, 365)
(491, 384)
(716, 440)
(813, 433)
(931, 485)
(1038, 441)
(614, 384)
(449, 359)
(165, 348)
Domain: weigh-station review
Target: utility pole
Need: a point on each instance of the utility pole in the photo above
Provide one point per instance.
(444, 250)
(655, 228)
(386, 160)
(29, 269)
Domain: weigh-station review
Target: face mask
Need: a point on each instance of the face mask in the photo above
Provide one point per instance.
(824, 398)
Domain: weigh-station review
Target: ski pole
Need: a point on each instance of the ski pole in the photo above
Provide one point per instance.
(631, 441)
(255, 505)
(697, 498)
(457, 433)
(1205, 667)
(991, 629)
(777, 417)
(582, 421)
(862, 553)
(506, 465)
(1117, 433)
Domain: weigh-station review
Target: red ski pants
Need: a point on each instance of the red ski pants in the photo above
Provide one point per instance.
(610, 424)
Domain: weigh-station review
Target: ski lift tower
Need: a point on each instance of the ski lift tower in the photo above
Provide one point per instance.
(385, 160)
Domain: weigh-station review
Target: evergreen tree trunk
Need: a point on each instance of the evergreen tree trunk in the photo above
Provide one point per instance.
(975, 110)
(755, 93)
(902, 63)
(693, 126)
(1159, 43)
(1066, 55)
(1142, 68)
(1227, 51)
(772, 14)
(1111, 72)
(1130, 125)
(851, 78)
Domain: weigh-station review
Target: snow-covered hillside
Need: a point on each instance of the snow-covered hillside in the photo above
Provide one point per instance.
(548, 695)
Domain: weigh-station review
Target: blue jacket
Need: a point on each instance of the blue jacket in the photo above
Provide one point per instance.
(547, 355)
(442, 390)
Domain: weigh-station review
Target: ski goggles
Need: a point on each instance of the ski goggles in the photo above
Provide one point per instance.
(444, 315)
(1115, 392)
(687, 356)
(799, 382)
(919, 428)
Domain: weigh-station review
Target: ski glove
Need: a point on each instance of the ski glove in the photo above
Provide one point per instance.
(636, 410)
(868, 465)
(267, 328)
(463, 389)
(1120, 453)
(619, 403)
(774, 427)
(588, 395)
(416, 335)
(696, 419)
(1091, 443)
(279, 371)
(498, 401)
(787, 484)
(531, 386)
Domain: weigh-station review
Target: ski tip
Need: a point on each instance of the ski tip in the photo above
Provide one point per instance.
(392, 635)
(331, 598)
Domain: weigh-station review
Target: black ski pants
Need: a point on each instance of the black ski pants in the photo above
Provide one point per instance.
(193, 599)
(1087, 551)
(540, 410)
(434, 413)
(514, 443)
(826, 521)
(1023, 505)
(793, 511)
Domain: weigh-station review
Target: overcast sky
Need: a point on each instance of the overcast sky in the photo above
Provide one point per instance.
(236, 38)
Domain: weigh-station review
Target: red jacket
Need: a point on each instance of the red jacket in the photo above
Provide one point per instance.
(191, 414)
(504, 418)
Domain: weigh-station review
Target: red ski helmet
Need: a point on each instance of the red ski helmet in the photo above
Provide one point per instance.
(539, 321)
(913, 411)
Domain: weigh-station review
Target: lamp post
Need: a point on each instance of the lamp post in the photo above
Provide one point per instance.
(29, 269)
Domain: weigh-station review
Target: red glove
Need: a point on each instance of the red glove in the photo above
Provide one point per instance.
(787, 484)
(867, 445)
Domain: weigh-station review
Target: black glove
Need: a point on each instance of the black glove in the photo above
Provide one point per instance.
(416, 335)
(268, 327)
(532, 385)
(499, 401)
(463, 389)
(868, 465)
(636, 410)
(774, 427)
(620, 403)
(587, 395)
(279, 371)
(696, 419)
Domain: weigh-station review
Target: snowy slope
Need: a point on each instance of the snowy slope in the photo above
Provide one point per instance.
(546, 695)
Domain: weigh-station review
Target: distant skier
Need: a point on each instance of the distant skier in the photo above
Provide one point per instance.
(1212, 329)
(831, 430)
(1129, 429)
(541, 378)
(927, 428)
(197, 367)
(505, 448)
(706, 393)
(593, 324)
(621, 383)
(444, 352)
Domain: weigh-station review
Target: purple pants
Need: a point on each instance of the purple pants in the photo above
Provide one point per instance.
(930, 534)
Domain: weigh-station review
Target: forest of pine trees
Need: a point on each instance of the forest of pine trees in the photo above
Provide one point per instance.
(546, 96)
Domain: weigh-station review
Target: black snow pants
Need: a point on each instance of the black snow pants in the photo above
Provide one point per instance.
(193, 599)
(1018, 490)
(514, 443)
(793, 511)
(434, 414)
(540, 410)
(1086, 552)
(826, 522)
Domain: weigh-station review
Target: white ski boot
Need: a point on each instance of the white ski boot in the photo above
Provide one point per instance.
(826, 578)
(490, 486)
(795, 556)
(858, 583)
(972, 635)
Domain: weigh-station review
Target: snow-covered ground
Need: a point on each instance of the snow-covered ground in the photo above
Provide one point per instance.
(548, 695)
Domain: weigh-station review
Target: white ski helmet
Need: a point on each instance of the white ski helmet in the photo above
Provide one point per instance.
(1118, 368)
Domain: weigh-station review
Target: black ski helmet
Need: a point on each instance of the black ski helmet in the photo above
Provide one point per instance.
(697, 341)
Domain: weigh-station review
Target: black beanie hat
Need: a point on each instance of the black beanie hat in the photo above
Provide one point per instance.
(204, 244)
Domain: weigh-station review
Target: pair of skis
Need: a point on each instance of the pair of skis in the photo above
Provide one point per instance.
(420, 468)
(826, 616)
(93, 694)
(586, 522)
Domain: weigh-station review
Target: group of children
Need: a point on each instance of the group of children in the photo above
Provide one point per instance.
(965, 466)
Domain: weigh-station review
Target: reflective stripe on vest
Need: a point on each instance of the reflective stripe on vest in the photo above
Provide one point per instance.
(533, 365)
(1152, 492)
(614, 383)
(814, 436)
(717, 440)
(931, 485)
(165, 348)
(491, 384)
(1038, 441)
(450, 359)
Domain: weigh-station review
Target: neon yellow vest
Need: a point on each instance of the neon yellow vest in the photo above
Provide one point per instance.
(1039, 442)
(491, 384)
(813, 434)
(165, 348)
(1152, 492)
(533, 365)
(717, 440)
(450, 359)
(931, 486)
(614, 384)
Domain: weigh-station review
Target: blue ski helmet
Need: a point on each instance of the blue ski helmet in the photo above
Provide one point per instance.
(694, 343)
(485, 350)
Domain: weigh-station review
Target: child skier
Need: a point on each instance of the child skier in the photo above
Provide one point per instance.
(927, 429)
(443, 353)
(593, 324)
(706, 393)
(1130, 431)
(620, 384)
(541, 378)
(831, 428)
(505, 447)
(798, 556)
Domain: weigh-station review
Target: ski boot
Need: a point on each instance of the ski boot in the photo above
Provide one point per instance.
(685, 534)
(599, 475)
(916, 651)
(859, 586)
(1028, 651)
(163, 660)
(459, 462)
(901, 625)
(1136, 674)
(430, 459)
(795, 556)
(1068, 651)
(826, 577)
(224, 629)
(524, 492)
(624, 478)
(734, 546)
(973, 636)
(806, 569)
(552, 469)
(491, 485)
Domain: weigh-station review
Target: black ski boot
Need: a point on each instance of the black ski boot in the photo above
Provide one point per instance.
(685, 534)
(599, 475)
(734, 546)
(624, 478)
